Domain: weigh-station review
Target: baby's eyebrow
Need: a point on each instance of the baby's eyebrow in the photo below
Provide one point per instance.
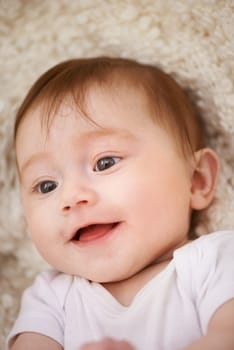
(34, 158)
(118, 133)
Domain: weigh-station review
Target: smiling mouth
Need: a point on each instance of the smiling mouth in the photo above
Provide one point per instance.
(93, 232)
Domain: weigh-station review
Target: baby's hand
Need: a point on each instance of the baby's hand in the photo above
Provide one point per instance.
(108, 344)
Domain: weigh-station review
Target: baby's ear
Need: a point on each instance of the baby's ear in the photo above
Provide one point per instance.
(204, 178)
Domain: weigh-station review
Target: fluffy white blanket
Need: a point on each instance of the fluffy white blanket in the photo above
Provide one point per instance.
(193, 38)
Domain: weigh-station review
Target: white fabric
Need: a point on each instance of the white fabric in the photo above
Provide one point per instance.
(169, 312)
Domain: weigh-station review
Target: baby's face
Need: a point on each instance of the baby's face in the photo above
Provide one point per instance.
(103, 202)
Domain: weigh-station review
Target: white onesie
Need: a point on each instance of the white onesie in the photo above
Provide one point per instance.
(168, 313)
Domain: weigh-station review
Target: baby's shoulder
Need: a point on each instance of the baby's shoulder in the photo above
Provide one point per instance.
(207, 246)
(209, 256)
(205, 273)
(52, 278)
(218, 239)
(53, 285)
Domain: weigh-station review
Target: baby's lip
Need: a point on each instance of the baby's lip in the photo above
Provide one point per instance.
(92, 231)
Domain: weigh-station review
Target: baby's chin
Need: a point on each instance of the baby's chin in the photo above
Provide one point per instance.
(103, 275)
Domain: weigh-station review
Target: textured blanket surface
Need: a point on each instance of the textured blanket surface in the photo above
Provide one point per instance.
(192, 39)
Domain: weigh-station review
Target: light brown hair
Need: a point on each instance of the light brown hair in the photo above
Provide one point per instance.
(169, 104)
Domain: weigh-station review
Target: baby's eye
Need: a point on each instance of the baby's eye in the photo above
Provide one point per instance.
(46, 186)
(105, 163)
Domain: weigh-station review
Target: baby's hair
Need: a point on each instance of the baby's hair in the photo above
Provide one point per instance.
(168, 103)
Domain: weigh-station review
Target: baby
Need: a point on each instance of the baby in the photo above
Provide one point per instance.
(113, 167)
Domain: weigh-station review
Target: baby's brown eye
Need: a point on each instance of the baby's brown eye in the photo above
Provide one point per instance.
(47, 186)
(106, 163)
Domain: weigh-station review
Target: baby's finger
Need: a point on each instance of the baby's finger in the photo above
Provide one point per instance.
(108, 344)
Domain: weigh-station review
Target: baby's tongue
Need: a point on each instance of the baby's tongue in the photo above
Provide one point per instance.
(92, 232)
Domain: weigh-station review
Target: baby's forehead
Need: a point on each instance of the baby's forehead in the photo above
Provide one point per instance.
(84, 104)
(101, 106)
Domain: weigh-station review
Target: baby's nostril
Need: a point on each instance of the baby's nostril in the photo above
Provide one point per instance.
(66, 208)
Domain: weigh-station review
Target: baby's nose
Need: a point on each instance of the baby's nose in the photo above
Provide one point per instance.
(76, 196)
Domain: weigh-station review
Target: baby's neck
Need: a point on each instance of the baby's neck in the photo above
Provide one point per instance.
(125, 291)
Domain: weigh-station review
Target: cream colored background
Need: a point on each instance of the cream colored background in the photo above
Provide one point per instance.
(195, 39)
